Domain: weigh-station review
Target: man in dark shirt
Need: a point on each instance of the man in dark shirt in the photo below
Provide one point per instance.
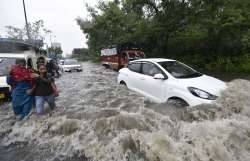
(44, 91)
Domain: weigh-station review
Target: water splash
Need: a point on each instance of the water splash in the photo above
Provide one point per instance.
(96, 119)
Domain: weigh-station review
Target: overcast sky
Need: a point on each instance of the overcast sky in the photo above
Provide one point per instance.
(58, 15)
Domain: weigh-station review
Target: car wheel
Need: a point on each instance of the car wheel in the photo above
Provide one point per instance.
(123, 84)
(178, 102)
(106, 66)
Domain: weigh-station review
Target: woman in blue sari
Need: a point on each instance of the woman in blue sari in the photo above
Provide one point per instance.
(21, 81)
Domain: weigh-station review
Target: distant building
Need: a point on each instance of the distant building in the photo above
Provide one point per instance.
(77, 52)
(81, 53)
(13, 45)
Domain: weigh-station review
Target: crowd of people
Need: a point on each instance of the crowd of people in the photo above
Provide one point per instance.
(32, 87)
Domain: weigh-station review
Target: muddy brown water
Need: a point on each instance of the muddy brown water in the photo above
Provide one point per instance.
(97, 119)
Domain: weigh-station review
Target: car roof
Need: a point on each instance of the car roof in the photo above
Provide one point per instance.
(155, 60)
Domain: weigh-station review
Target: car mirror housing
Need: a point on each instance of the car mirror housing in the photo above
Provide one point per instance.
(159, 76)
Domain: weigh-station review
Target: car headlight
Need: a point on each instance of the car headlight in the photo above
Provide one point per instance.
(201, 94)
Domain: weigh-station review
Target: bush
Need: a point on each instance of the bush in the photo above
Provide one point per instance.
(232, 64)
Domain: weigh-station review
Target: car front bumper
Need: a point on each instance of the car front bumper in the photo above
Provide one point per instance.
(71, 69)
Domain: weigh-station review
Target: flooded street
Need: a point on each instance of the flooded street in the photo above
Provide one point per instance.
(97, 119)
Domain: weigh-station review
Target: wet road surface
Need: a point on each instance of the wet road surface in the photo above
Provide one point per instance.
(97, 119)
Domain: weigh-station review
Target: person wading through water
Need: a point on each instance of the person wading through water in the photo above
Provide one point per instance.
(22, 82)
(45, 90)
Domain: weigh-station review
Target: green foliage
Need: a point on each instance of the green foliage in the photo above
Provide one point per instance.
(55, 50)
(208, 34)
(83, 54)
(219, 64)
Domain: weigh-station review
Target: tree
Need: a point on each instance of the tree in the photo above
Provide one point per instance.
(81, 54)
(15, 33)
(37, 31)
(55, 50)
(172, 28)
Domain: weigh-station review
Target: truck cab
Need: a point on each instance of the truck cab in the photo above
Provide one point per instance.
(119, 56)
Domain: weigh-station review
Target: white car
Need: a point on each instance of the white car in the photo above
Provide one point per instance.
(163, 80)
(69, 65)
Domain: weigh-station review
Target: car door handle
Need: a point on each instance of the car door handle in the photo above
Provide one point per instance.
(142, 78)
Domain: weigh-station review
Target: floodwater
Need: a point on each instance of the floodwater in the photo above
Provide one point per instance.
(98, 120)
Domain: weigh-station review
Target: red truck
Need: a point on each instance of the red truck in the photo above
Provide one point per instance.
(118, 56)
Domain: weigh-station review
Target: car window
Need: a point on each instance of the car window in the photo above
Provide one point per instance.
(70, 62)
(5, 63)
(135, 67)
(150, 69)
(179, 70)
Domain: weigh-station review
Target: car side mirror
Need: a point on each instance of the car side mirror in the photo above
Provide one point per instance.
(159, 76)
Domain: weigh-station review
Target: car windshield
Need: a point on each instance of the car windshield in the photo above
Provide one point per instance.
(70, 62)
(179, 70)
(135, 56)
(5, 63)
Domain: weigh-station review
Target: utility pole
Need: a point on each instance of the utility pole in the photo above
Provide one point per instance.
(26, 22)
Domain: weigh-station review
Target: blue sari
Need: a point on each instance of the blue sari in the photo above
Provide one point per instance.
(21, 101)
